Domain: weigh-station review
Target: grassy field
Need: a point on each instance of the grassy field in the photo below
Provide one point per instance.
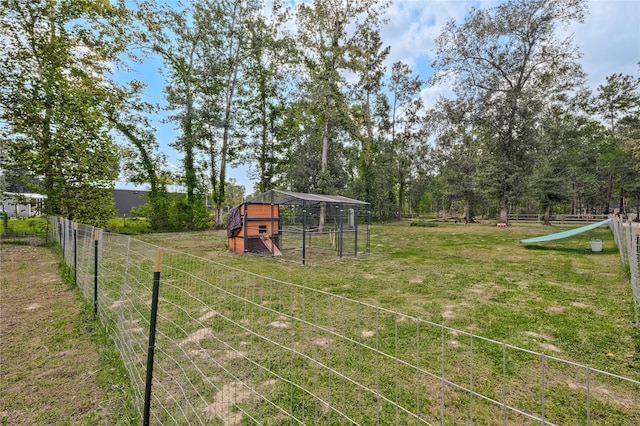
(58, 364)
(556, 297)
(326, 348)
(23, 226)
(220, 325)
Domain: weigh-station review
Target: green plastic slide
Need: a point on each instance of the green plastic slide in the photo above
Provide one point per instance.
(564, 234)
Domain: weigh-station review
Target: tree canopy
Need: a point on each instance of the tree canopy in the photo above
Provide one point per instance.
(305, 95)
(53, 92)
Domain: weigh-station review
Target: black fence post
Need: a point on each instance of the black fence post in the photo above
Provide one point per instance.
(340, 226)
(75, 253)
(355, 225)
(368, 247)
(304, 231)
(63, 240)
(152, 336)
(96, 236)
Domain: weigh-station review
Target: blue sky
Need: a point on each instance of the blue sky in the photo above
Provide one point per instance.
(609, 40)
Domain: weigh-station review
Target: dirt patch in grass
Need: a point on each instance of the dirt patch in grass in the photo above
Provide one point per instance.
(322, 342)
(538, 335)
(197, 336)
(556, 309)
(587, 306)
(550, 347)
(207, 315)
(50, 366)
(280, 324)
(226, 399)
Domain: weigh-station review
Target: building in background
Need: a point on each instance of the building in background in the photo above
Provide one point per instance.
(126, 199)
(16, 204)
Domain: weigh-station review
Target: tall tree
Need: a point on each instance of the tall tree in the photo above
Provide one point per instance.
(53, 92)
(325, 32)
(458, 149)
(269, 55)
(406, 113)
(366, 58)
(510, 59)
(226, 25)
(550, 176)
(172, 35)
(141, 161)
(618, 98)
(324, 37)
(585, 174)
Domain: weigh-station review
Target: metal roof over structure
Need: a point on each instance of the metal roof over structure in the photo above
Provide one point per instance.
(287, 197)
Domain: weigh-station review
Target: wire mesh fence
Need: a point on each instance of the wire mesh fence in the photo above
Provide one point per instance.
(627, 236)
(233, 347)
(23, 231)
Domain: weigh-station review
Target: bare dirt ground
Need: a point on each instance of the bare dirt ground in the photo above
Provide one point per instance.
(48, 362)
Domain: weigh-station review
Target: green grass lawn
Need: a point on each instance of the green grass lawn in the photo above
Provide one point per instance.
(556, 297)
(23, 226)
(128, 226)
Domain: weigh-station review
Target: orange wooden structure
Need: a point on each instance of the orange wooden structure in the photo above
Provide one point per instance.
(255, 228)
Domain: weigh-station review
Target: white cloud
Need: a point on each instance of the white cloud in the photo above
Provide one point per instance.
(609, 39)
(413, 26)
(430, 94)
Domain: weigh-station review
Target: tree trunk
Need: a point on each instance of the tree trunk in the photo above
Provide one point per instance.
(467, 211)
(621, 201)
(503, 209)
(219, 216)
(323, 167)
(547, 215)
(609, 192)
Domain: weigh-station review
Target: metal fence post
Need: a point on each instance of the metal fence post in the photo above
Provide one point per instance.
(63, 240)
(304, 231)
(75, 253)
(152, 336)
(96, 236)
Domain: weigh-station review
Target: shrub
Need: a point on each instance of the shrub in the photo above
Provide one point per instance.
(424, 224)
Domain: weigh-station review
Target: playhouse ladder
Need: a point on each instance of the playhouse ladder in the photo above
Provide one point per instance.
(266, 240)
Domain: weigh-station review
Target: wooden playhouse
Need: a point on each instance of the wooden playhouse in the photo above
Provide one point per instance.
(254, 228)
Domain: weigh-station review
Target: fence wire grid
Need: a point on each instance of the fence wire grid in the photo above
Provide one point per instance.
(627, 236)
(233, 348)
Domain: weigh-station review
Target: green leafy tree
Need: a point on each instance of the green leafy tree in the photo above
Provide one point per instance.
(383, 197)
(141, 161)
(170, 33)
(264, 100)
(366, 58)
(53, 93)
(585, 174)
(235, 193)
(325, 33)
(226, 29)
(510, 60)
(550, 177)
(335, 38)
(406, 128)
(458, 149)
(617, 99)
